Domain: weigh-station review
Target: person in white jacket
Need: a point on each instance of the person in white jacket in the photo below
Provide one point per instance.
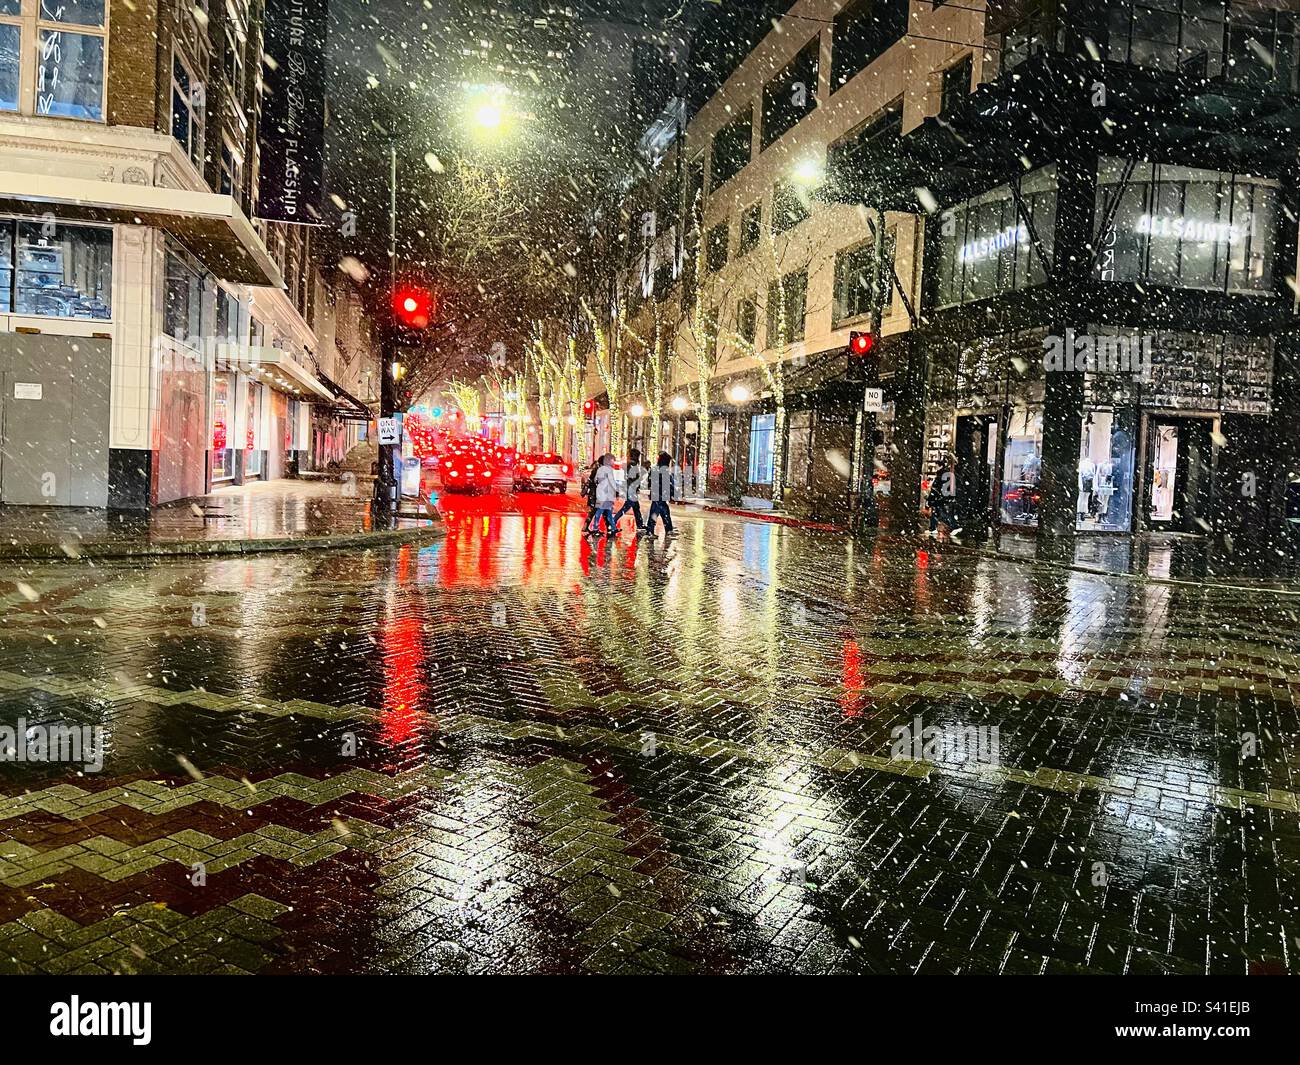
(606, 493)
(633, 481)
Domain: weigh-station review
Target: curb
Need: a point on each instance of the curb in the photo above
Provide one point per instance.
(772, 519)
(46, 552)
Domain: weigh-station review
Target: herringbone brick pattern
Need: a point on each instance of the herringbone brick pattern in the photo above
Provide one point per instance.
(514, 752)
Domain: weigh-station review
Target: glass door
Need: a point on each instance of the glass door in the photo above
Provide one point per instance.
(1162, 509)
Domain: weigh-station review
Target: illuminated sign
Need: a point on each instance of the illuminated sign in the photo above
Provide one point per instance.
(984, 247)
(1195, 230)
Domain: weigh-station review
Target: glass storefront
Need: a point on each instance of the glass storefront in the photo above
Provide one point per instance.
(1022, 462)
(223, 409)
(1106, 453)
(987, 245)
(1185, 227)
(762, 429)
(55, 270)
(252, 420)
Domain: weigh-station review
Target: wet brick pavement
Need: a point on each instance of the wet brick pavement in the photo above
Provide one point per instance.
(509, 751)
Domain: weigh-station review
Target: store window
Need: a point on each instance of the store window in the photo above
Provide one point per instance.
(223, 428)
(789, 207)
(252, 425)
(799, 450)
(187, 111)
(1186, 227)
(717, 447)
(762, 430)
(1106, 455)
(231, 173)
(60, 271)
(183, 299)
(987, 245)
(1022, 467)
(6, 266)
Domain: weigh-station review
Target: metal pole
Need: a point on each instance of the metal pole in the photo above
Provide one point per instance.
(386, 482)
(869, 520)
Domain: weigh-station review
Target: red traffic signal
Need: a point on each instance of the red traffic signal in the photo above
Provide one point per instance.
(861, 344)
(413, 307)
(589, 408)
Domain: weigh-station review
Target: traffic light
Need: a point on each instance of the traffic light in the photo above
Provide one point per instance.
(413, 307)
(861, 352)
(861, 345)
(589, 408)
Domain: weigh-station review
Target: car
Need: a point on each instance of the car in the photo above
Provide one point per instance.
(541, 471)
(466, 471)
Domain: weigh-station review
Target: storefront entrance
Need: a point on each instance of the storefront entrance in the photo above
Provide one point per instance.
(1178, 458)
(976, 451)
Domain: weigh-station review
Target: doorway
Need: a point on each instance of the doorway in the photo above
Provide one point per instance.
(975, 448)
(1178, 470)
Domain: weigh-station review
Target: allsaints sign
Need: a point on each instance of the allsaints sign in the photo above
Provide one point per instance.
(291, 139)
(1195, 230)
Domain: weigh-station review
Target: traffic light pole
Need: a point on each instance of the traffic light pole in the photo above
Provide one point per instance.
(386, 494)
(868, 512)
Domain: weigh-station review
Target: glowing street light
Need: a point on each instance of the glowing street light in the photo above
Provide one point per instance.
(680, 403)
(739, 394)
(636, 410)
(808, 172)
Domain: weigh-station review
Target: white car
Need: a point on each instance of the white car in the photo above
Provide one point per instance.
(541, 473)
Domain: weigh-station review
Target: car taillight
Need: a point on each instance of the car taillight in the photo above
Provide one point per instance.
(568, 470)
(529, 467)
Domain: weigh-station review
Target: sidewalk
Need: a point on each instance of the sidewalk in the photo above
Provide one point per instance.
(1166, 558)
(264, 516)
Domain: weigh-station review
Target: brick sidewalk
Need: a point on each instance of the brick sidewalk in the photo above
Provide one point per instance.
(262, 516)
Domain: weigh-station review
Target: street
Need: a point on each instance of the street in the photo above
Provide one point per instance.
(755, 748)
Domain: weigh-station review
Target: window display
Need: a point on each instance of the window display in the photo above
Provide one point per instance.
(1105, 501)
(62, 271)
(1164, 472)
(223, 451)
(252, 417)
(1022, 467)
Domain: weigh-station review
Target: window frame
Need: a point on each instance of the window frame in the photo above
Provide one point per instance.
(31, 24)
(198, 114)
(11, 222)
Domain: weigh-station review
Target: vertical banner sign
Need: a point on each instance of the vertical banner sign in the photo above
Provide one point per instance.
(291, 138)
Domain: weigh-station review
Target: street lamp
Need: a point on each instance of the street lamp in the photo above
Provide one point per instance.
(636, 410)
(739, 394)
(679, 404)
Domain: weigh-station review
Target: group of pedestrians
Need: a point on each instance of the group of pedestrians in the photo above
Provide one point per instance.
(602, 491)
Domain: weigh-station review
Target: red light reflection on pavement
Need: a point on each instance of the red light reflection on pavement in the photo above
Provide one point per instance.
(402, 719)
(853, 699)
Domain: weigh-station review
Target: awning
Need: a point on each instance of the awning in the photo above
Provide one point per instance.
(210, 225)
(345, 404)
(272, 367)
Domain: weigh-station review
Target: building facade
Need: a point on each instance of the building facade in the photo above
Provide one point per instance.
(1086, 288)
(155, 340)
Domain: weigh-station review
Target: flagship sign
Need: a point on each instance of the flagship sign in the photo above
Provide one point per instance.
(291, 138)
(1195, 230)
